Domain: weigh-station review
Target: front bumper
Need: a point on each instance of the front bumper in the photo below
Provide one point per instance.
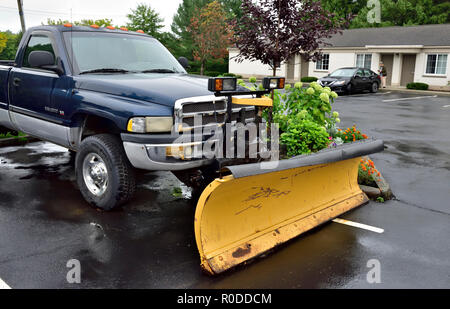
(336, 88)
(149, 152)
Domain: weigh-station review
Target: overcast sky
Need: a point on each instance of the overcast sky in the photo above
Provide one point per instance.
(37, 11)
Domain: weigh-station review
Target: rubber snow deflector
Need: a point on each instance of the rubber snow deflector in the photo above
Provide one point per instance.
(260, 206)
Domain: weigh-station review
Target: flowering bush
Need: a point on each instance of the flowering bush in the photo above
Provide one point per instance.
(367, 172)
(351, 135)
(305, 117)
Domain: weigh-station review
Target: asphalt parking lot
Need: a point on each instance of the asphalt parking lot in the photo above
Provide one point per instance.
(44, 222)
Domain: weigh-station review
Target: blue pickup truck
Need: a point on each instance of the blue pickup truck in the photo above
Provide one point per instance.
(114, 97)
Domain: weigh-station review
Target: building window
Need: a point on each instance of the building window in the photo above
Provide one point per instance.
(436, 64)
(324, 63)
(364, 61)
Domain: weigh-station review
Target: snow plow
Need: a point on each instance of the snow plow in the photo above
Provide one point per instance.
(250, 209)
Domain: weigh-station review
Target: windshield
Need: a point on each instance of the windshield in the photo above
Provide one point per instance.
(343, 73)
(118, 53)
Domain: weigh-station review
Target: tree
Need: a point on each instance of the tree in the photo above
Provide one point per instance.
(233, 8)
(12, 43)
(3, 40)
(271, 31)
(211, 33)
(344, 8)
(146, 19)
(84, 22)
(393, 12)
(405, 13)
(181, 22)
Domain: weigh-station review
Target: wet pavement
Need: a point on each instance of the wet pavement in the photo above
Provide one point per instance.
(44, 222)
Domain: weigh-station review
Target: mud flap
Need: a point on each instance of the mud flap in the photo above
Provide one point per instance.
(242, 215)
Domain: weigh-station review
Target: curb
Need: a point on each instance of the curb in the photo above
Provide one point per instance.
(17, 141)
(410, 91)
(371, 192)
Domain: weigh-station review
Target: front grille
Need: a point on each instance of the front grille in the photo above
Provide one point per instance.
(213, 111)
(204, 107)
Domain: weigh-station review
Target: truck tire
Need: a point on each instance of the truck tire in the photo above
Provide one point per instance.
(104, 175)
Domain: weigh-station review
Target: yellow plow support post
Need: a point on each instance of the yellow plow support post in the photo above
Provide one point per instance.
(240, 218)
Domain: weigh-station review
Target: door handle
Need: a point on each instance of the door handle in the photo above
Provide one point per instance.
(16, 82)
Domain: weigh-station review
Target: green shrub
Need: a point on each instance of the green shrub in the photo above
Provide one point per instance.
(305, 117)
(417, 86)
(206, 73)
(229, 75)
(213, 65)
(304, 136)
(308, 79)
(315, 101)
(211, 73)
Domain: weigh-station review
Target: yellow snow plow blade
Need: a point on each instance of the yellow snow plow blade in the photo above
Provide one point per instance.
(251, 211)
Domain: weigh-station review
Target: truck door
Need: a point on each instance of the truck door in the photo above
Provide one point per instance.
(33, 107)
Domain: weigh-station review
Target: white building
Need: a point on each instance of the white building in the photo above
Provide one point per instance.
(410, 54)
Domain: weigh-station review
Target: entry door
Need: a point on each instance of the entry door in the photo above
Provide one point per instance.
(408, 68)
(388, 60)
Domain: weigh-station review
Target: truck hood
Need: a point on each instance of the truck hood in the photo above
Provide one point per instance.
(162, 89)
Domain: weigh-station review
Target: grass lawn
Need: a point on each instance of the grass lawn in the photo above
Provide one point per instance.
(8, 135)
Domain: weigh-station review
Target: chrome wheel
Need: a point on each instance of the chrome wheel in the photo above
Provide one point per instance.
(95, 174)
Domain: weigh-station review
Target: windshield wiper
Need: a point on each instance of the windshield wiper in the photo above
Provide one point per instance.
(159, 71)
(105, 70)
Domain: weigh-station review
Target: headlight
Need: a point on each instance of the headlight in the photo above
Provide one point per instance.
(150, 124)
(339, 82)
(217, 84)
(270, 83)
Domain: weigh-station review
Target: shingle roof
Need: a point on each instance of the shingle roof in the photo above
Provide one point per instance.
(427, 35)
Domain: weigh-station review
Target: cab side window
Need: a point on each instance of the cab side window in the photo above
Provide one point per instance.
(37, 42)
(367, 73)
(360, 73)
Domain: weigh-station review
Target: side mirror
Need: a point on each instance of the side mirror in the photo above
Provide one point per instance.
(184, 62)
(44, 60)
(357, 76)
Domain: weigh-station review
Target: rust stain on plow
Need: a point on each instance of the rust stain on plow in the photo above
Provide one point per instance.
(240, 252)
(249, 207)
(266, 193)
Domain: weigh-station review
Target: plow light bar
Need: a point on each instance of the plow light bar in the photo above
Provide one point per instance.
(222, 84)
(274, 83)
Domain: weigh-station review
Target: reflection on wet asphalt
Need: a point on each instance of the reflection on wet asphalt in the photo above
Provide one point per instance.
(150, 243)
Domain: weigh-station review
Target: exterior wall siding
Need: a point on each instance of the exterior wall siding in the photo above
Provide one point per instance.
(421, 62)
(248, 68)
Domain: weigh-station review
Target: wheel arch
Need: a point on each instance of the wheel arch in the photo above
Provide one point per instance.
(88, 124)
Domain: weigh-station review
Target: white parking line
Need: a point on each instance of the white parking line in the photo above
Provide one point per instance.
(413, 98)
(445, 106)
(359, 225)
(3, 285)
